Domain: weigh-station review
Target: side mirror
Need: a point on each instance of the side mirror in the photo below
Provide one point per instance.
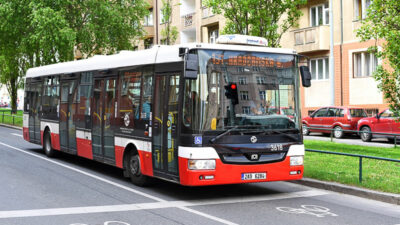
(305, 76)
(378, 115)
(191, 66)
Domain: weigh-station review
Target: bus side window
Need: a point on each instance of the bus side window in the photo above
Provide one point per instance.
(147, 94)
(129, 99)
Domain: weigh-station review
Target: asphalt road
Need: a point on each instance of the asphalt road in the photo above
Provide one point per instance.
(70, 190)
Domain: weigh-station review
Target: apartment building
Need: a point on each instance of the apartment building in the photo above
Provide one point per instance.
(195, 23)
(353, 65)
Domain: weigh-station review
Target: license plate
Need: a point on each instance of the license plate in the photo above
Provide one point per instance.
(254, 176)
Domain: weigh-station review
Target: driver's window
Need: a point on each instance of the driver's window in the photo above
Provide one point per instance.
(387, 114)
(321, 113)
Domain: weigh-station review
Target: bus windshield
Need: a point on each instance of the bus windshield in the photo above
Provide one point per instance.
(249, 90)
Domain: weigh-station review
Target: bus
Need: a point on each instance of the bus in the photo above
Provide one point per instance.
(194, 114)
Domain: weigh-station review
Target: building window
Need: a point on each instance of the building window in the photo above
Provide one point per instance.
(364, 64)
(262, 95)
(261, 80)
(161, 17)
(360, 8)
(319, 69)
(148, 20)
(246, 109)
(319, 15)
(148, 43)
(242, 80)
(244, 95)
(213, 34)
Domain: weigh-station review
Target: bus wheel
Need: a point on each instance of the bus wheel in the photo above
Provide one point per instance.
(135, 172)
(48, 150)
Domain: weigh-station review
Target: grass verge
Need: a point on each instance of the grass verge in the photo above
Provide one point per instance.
(7, 118)
(377, 174)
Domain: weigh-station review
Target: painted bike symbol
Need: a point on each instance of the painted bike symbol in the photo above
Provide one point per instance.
(314, 210)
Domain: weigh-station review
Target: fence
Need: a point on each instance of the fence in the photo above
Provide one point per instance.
(355, 155)
(7, 118)
(395, 136)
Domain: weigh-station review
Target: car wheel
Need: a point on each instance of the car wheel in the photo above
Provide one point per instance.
(48, 150)
(337, 132)
(306, 131)
(365, 134)
(135, 171)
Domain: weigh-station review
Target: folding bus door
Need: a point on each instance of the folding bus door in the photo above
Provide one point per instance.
(67, 113)
(165, 117)
(103, 117)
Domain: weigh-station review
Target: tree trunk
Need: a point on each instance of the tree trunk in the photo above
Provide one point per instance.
(13, 95)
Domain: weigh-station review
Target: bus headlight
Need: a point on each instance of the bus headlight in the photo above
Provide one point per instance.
(201, 164)
(296, 160)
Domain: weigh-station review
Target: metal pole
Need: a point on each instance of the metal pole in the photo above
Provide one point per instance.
(332, 135)
(360, 170)
(331, 60)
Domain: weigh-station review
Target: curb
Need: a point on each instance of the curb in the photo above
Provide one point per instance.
(10, 126)
(341, 188)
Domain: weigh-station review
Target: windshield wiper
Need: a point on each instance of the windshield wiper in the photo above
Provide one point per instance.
(282, 133)
(223, 134)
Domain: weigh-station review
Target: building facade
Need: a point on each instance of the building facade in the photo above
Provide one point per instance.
(195, 23)
(353, 65)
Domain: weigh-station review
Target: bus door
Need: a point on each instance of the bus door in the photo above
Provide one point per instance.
(103, 119)
(67, 114)
(165, 123)
(34, 111)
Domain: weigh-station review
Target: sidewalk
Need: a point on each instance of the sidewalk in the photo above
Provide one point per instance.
(10, 126)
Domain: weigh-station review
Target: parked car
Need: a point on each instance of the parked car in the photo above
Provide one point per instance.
(383, 122)
(338, 118)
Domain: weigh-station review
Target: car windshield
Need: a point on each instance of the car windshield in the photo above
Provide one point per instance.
(266, 85)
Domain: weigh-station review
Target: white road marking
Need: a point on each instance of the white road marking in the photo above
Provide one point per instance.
(156, 205)
(19, 135)
(314, 210)
(159, 200)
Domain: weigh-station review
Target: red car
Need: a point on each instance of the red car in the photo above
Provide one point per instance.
(383, 122)
(338, 118)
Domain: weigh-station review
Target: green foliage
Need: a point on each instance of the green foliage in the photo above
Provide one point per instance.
(383, 22)
(169, 33)
(40, 32)
(268, 18)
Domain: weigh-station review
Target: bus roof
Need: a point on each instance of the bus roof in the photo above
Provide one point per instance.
(156, 55)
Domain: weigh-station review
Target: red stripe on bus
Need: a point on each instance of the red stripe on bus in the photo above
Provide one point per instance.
(232, 174)
(25, 131)
(84, 148)
(146, 164)
(55, 141)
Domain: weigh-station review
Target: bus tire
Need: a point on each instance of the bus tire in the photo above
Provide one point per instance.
(134, 170)
(48, 150)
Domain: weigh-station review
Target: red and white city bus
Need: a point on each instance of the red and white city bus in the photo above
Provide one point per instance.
(194, 114)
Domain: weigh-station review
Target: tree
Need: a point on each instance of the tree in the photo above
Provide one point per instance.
(383, 22)
(40, 32)
(268, 18)
(169, 33)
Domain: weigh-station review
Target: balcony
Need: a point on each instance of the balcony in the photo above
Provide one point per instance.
(311, 39)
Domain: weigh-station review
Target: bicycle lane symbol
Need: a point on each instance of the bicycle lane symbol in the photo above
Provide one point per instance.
(314, 210)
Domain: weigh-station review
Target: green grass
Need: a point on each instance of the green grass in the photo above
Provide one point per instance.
(377, 174)
(8, 118)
